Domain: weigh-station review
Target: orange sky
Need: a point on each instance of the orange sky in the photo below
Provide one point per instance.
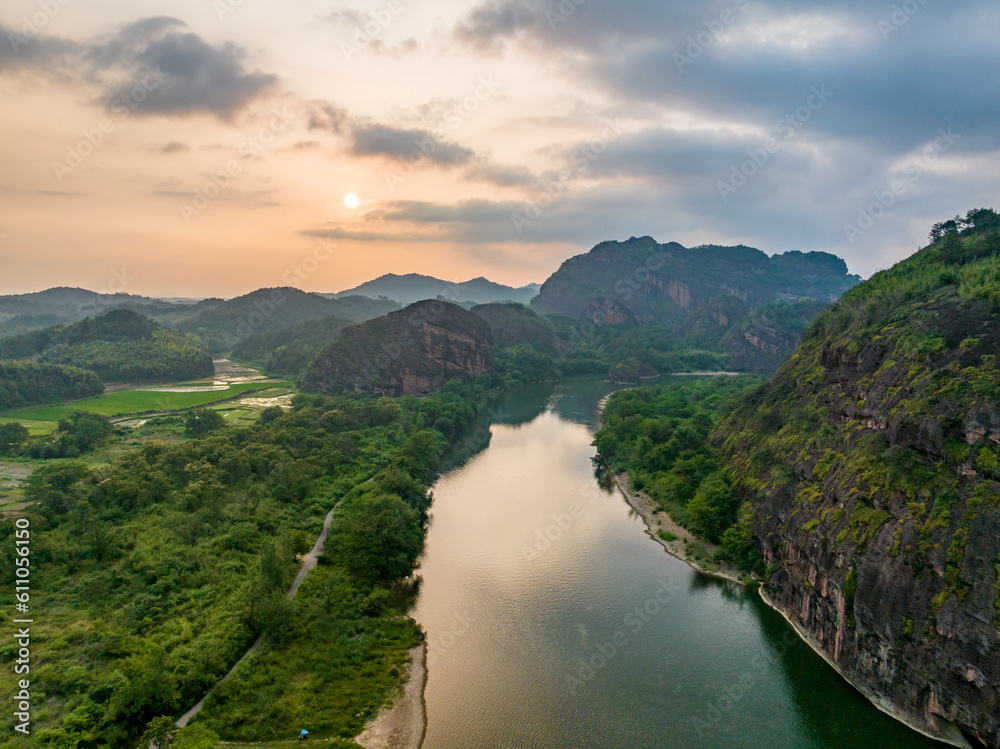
(224, 175)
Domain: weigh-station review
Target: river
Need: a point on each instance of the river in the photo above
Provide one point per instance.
(555, 622)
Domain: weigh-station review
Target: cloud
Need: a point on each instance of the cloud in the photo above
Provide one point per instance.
(173, 147)
(502, 176)
(370, 236)
(325, 116)
(414, 145)
(167, 69)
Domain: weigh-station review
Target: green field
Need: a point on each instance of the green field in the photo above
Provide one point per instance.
(126, 402)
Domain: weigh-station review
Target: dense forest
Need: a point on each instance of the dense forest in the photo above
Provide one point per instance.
(660, 437)
(120, 346)
(158, 570)
(29, 384)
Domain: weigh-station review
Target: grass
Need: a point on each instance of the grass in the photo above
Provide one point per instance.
(128, 402)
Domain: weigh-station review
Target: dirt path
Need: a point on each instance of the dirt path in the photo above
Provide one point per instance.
(310, 561)
(403, 724)
(686, 546)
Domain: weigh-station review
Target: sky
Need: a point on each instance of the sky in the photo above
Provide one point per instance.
(211, 147)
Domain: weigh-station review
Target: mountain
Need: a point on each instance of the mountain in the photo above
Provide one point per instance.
(120, 346)
(412, 351)
(288, 350)
(224, 323)
(514, 324)
(22, 313)
(870, 465)
(668, 282)
(414, 287)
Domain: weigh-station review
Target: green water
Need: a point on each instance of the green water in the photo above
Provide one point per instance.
(555, 622)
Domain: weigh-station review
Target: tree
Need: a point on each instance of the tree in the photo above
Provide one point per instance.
(160, 732)
(378, 538)
(201, 422)
(13, 435)
(712, 506)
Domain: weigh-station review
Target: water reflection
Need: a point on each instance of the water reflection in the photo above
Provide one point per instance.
(554, 621)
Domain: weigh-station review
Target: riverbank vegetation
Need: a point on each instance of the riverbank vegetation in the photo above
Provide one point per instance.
(155, 572)
(660, 436)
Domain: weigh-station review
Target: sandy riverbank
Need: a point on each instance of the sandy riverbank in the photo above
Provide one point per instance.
(403, 724)
(686, 546)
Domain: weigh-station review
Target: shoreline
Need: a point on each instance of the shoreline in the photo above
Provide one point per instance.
(883, 704)
(402, 724)
(656, 520)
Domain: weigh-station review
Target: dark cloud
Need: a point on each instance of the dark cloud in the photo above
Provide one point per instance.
(325, 116)
(502, 176)
(173, 147)
(414, 145)
(152, 67)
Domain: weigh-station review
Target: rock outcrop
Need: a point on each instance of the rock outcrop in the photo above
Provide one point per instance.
(871, 465)
(667, 282)
(409, 352)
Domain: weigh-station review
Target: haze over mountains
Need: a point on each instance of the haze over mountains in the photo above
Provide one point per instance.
(735, 305)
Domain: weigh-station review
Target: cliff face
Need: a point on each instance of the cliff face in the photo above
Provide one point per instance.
(409, 352)
(871, 465)
(667, 282)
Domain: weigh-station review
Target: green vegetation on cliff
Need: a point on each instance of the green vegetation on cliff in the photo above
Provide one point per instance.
(870, 464)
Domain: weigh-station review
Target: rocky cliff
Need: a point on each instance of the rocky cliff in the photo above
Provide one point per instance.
(668, 282)
(412, 351)
(870, 464)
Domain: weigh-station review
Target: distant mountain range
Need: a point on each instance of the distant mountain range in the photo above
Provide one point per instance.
(414, 287)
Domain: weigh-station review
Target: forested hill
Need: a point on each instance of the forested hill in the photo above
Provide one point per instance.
(413, 351)
(120, 346)
(28, 384)
(668, 282)
(223, 324)
(871, 468)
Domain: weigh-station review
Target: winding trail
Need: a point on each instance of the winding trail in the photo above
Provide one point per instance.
(310, 561)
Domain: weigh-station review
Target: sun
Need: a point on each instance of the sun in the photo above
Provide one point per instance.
(351, 201)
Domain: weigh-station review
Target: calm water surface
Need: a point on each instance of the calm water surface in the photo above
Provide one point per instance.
(555, 622)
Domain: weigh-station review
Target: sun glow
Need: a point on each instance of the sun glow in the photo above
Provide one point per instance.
(351, 201)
